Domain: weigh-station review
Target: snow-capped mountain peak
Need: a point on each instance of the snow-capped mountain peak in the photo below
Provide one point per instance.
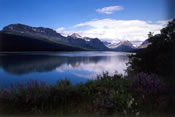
(126, 43)
(76, 35)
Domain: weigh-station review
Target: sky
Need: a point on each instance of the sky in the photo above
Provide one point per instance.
(109, 20)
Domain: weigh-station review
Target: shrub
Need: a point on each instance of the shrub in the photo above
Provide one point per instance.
(148, 84)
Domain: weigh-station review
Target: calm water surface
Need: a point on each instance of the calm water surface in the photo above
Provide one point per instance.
(51, 67)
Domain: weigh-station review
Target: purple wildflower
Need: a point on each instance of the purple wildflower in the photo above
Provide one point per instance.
(147, 84)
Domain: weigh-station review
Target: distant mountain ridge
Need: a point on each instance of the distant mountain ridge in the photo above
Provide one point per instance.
(121, 46)
(49, 34)
(34, 31)
(145, 44)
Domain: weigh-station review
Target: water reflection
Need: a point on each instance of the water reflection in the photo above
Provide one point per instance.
(23, 64)
(74, 65)
(110, 64)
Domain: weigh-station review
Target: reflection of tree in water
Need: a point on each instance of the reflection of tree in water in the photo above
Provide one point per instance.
(22, 64)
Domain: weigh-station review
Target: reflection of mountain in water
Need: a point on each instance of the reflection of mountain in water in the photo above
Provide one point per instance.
(22, 63)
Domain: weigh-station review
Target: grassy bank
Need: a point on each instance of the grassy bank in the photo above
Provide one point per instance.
(142, 94)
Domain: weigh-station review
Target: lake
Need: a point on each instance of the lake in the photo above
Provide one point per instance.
(51, 67)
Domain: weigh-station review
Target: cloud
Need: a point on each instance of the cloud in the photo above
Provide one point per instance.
(116, 30)
(164, 22)
(109, 9)
(61, 30)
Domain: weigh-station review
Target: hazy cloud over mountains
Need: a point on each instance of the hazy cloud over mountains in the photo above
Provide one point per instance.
(115, 30)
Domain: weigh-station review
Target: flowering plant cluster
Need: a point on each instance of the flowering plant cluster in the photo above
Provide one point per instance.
(148, 84)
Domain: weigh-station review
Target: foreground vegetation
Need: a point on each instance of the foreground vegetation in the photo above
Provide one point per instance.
(106, 95)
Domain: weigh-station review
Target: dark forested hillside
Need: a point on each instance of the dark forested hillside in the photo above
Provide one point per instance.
(13, 42)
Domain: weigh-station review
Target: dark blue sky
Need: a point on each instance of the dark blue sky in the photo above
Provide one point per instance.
(63, 13)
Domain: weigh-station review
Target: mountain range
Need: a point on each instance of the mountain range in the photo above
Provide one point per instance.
(20, 37)
(121, 46)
